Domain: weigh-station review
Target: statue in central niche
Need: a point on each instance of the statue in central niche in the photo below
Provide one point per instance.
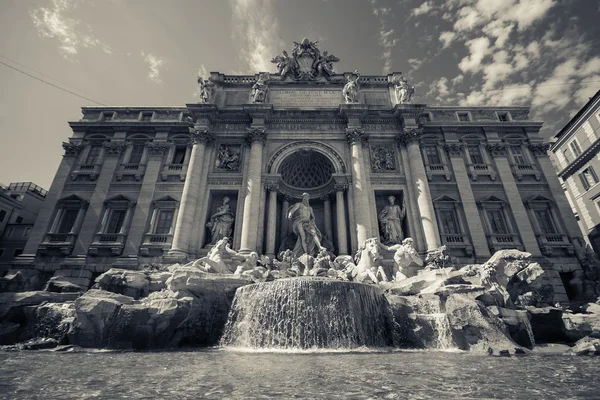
(303, 224)
(390, 219)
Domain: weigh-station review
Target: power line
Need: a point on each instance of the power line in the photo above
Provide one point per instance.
(51, 84)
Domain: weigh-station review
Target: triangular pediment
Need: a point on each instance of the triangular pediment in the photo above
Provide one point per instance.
(445, 198)
(539, 199)
(120, 199)
(492, 199)
(73, 198)
(166, 199)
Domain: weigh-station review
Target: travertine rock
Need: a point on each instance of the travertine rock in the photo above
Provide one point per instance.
(587, 346)
(577, 326)
(11, 303)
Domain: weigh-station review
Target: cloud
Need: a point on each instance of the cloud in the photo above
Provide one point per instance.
(52, 22)
(447, 38)
(386, 39)
(256, 30)
(422, 9)
(155, 64)
(478, 48)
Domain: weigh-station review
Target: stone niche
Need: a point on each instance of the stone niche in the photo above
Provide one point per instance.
(381, 201)
(215, 202)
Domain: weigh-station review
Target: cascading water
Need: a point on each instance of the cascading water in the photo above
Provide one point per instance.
(304, 313)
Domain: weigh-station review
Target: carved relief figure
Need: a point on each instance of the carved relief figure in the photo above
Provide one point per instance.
(383, 159)
(303, 224)
(403, 90)
(260, 89)
(391, 222)
(228, 159)
(350, 91)
(221, 222)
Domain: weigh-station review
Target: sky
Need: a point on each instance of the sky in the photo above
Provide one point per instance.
(539, 53)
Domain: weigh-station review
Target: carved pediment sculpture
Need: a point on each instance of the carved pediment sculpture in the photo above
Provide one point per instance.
(306, 62)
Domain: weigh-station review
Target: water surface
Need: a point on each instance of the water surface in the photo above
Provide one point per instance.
(224, 374)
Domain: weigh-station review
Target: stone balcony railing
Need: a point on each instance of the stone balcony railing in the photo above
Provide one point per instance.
(520, 170)
(156, 243)
(438, 169)
(498, 241)
(549, 242)
(111, 243)
(91, 170)
(135, 170)
(475, 170)
(457, 241)
(59, 242)
(179, 170)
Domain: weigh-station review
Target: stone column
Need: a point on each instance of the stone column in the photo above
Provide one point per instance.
(285, 205)
(410, 138)
(474, 225)
(255, 137)
(327, 212)
(112, 153)
(272, 220)
(356, 137)
(200, 136)
(155, 153)
(341, 219)
(499, 153)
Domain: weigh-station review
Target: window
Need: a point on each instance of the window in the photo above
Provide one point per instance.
(545, 221)
(575, 147)
(1, 253)
(566, 155)
(107, 116)
(432, 155)
(449, 222)
(115, 221)
(19, 220)
(503, 116)
(497, 222)
(588, 177)
(2, 215)
(463, 117)
(26, 232)
(475, 154)
(17, 252)
(137, 150)
(426, 117)
(518, 157)
(67, 221)
(8, 232)
(179, 155)
(147, 116)
(164, 222)
(94, 153)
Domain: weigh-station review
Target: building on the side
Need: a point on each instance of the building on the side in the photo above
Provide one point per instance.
(20, 203)
(142, 185)
(576, 156)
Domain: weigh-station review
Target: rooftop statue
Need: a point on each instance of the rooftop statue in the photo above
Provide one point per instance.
(306, 62)
(403, 90)
(207, 89)
(260, 89)
(350, 91)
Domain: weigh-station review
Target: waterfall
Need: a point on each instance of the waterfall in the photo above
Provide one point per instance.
(307, 312)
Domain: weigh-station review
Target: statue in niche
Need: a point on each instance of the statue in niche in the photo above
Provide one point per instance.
(260, 88)
(403, 90)
(221, 222)
(228, 159)
(383, 159)
(303, 224)
(390, 219)
(206, 90)
(405, 254)
(350, 91)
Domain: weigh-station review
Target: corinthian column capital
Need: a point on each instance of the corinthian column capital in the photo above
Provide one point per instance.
(356, 136)
(200, 135)
(409, 135)
(256, 134)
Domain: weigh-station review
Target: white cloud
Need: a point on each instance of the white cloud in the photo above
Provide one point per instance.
(422, 9)
(587, 90)
(155, 64)
(478, 48)
(499, 30)
(592, 66)
(386, 40)
(52, 22)
(447, 38)
(256, 30)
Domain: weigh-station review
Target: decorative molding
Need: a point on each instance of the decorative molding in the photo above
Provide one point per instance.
(217, 180)
(340, 187)
(539, 149)
(454, 149)
(496, 149)
(256, 134)
(409, 135)
(200, 135)
(356, 136)
(157, 149)
(113, 148)
(304, 144)
(72, 150)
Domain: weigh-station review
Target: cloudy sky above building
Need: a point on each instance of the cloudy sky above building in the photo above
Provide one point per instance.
(541, 53)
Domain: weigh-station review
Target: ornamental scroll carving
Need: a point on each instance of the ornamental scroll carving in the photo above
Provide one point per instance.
(540, 149)
(496, 149)
(356, 136)
(72, 150)
(113, 149)
(157, 149)
(454, 149)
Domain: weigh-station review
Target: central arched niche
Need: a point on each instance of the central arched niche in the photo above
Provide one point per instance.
(306, 169)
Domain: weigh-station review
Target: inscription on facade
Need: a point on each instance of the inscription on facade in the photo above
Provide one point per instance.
(306, 98)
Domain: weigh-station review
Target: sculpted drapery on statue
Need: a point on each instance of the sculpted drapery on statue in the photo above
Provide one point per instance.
(303, 224)
(390, 219)
(260, 89)
(306, 62)
(221, 222)
(350, 91)
(207, 89)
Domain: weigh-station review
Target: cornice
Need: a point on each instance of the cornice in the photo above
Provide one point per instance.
(580, 161)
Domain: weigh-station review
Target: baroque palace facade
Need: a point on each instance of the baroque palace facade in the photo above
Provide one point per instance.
(156, 185)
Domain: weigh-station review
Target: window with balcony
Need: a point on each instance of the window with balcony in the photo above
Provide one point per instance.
(521, 159)
(478, 162)
(497, 222)
(137, 151)
(516, 154)
(588, 177)
(160, 231)
(576, 149)
(501, 233)
(178, 158)
(435, 162)
(110, 238)
(432, 154)
(448, 211)
(93, 155)
(65, 225)
(547, 227)
(164, 222)
(179, 155)
(474, 151)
